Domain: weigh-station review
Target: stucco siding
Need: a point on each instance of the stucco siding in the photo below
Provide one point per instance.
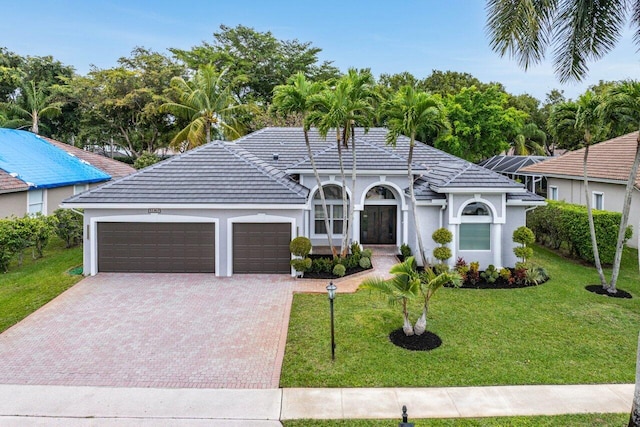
(572, 191)
(55, 196)
(13, 204)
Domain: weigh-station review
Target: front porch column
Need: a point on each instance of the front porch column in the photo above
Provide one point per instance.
(496, 245)
(355, 229)
(404, 238)
(453, 228)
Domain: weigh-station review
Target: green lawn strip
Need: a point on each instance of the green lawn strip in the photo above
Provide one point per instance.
(25, 289)
(586, 420)
(556, 333)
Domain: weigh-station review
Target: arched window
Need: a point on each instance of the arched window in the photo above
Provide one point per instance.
(380, 193)
(333, 197)
(475, 228)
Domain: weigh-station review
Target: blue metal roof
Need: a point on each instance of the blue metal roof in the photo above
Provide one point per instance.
(42, 165)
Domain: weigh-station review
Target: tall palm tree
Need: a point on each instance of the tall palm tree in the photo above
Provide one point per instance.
(341, 107)
(207, 104)
(623, 101)
(409, 113)
(582, 115)
(37, 105)
(578, 31)
(293, 98)
(402, 287)
(529, 140)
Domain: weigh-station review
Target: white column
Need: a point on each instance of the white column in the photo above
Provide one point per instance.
(454, 229)
(355, 230)
(405, 227)
(496, 244)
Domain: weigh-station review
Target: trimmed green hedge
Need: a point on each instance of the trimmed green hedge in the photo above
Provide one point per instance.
(564, 225)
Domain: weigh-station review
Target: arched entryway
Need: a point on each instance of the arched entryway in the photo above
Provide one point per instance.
(379, 217)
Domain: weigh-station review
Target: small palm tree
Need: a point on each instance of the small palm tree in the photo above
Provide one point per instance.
(430, 282)
(293, 98)
(411, 113)
(402, 287)
(37, 105)
(207, 104)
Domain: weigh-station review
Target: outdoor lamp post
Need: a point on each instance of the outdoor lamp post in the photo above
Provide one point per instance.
(331, 290)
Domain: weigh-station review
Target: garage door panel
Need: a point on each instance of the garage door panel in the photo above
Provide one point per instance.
(261, 247)
(156, 247)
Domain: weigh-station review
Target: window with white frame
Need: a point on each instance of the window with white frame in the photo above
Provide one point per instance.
(35, 199)
(80, 188)
(598, 200)
(333, 198)
(475, 228)
(553, 192)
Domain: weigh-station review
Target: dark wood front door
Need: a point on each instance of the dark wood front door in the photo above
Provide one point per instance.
(378, 224)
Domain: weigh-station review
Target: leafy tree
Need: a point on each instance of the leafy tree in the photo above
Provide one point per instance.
(452, 82)
(256, 61)
(481, 124)
(411, 113)
(11, 74)
(69, 226)
(124, 103)
(37, 105)
(145, 160)
(295, 98)
(208, 106)
(622, 102)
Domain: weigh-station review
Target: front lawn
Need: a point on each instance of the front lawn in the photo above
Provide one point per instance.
(586, 420)
(555, 333)
(25, 289)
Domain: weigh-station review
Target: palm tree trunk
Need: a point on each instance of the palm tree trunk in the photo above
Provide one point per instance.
(592, 227)
(327, 224)
(421, 325)
(207, 129)
(634, 418)
(406, 326)
(353, 181)
(414, 209)
(626, 207)
(34, 126)
(345, 207)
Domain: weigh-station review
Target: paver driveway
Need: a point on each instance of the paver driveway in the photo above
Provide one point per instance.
(154, 330)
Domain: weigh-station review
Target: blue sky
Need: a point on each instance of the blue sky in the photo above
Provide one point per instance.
(386, 36)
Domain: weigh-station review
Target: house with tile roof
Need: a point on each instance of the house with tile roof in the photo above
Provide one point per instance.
(510, 166)
(233, 207)
(37, 173)
(608, 167)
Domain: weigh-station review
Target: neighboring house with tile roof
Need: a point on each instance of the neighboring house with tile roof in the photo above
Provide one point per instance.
(37, 173)
(608, 168)
(233, 207)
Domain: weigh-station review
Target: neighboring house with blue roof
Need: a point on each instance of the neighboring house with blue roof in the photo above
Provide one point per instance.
(233, 207)
(37, 173)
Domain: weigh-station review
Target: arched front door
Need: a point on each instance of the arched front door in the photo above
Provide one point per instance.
(379, 218)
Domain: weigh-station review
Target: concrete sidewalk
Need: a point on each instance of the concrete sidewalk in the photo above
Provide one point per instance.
(28, 405)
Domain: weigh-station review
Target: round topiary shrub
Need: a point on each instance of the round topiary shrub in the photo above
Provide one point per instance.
(300, 246)
(442, 236)
(442, 253)
(366, 253)
(365, 262)
(301, 264)
(524, 236)
(339, 270)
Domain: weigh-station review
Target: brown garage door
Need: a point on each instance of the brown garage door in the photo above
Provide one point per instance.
(156, 247)
(261, 248)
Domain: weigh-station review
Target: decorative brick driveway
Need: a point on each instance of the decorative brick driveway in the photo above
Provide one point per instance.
(154, 330)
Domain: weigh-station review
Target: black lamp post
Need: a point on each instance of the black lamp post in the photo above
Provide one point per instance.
(405, 418)
(331, 290)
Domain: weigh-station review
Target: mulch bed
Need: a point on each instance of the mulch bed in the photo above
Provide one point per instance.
(498, 284)
(598, 289)
(324, 275)
(425, 342)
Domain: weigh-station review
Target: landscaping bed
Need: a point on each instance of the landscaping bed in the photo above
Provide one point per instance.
(324, 274)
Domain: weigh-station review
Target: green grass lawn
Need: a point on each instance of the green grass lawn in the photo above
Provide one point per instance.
(25, 289)
(556, 333)
(586, 420)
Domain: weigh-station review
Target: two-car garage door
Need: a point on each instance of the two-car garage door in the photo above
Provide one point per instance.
(190, 247)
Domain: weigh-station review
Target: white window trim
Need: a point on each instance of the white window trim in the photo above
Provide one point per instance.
(43, 211)
(594, 196)
(477, 219)
(554, 189)
(313, 203)
(85, 187)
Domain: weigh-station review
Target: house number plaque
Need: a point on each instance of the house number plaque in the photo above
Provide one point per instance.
(154, 210)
